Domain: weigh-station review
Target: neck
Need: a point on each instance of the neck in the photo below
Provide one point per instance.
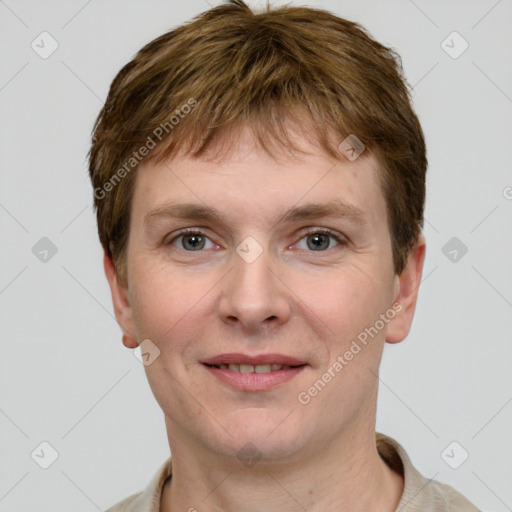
(348, 475)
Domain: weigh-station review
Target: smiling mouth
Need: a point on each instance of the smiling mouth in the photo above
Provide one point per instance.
(252, 368)
(254, 372)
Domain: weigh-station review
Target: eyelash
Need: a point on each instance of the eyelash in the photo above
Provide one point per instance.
(342, 240)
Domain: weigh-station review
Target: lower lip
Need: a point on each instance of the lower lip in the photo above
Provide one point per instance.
(255, 381)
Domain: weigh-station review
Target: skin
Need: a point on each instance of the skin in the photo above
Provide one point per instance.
(293, 300)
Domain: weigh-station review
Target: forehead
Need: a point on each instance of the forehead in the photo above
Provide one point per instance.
(246, 179)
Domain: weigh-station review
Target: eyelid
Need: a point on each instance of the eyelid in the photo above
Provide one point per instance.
(339, 237)
(187, 231)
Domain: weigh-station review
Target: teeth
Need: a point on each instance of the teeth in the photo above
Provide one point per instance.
(246, 368)
(262, 368)
(251, 368)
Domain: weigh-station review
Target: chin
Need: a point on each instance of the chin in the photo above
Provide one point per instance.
(262, 431)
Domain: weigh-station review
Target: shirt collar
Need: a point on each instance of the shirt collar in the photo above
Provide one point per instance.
(419, 492)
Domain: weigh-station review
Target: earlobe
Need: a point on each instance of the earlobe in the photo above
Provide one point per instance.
(407, 293)
(121, 302)
(129, 342)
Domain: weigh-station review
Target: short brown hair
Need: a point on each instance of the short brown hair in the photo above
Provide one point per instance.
(232, 67)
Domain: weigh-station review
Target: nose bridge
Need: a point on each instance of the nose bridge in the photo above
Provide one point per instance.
(252, 294)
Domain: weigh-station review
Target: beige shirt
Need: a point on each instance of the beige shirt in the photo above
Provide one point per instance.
(419, 495)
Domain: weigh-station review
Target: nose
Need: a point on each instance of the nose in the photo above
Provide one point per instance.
(254, 296)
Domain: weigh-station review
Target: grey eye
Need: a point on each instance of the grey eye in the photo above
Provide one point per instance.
(192, 242)
(318, 241)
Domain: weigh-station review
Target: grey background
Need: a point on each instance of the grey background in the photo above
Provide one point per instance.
(65, 377)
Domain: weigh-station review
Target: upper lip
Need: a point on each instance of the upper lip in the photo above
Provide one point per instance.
(238, 358)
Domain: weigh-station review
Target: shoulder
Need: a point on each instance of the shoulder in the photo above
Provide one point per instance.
(127, 505)
(447, 498)
(147, 500)
(420, 494)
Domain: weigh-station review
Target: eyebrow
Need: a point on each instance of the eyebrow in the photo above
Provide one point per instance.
(193, 211)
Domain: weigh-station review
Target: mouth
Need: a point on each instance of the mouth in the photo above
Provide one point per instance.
(254, 373)
(251, 368)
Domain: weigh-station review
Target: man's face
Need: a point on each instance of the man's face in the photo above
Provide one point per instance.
(263, 282)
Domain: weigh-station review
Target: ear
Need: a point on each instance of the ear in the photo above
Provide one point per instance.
(407, 286)
(122, 307)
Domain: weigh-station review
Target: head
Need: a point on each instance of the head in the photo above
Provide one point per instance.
(235, 127)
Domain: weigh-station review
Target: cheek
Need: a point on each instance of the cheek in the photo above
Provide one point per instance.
(347, 300)
(163, 302)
